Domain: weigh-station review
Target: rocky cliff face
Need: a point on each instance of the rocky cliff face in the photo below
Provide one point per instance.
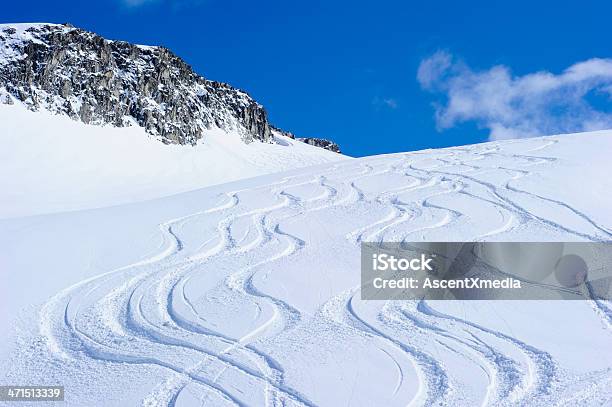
(74, 72)
(313, 141)
(70, 71)
(321, 142)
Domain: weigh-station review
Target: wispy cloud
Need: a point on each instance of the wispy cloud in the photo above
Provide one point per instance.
(392, 103)
(518, 106)
(389, 103)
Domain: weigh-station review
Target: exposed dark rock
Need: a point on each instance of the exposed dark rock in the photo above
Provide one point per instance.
(70, 71)
(78, 73)
(321, 142)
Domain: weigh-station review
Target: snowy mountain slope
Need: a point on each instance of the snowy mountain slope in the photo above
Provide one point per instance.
(247, 293)
(52, 163)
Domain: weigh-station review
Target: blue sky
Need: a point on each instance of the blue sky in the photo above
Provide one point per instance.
(382, 76)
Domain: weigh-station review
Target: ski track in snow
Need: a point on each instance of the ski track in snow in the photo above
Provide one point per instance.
(148, 313)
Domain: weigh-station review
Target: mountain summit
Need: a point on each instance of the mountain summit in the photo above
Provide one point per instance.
(73, 72)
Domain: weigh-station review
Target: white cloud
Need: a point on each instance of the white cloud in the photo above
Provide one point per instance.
(432, 69)
(518, 106)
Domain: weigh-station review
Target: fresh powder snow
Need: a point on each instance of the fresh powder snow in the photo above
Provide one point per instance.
(53, 164)
(247, 293)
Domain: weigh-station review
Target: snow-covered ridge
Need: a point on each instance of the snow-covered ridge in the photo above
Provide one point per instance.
(73, 72)
(25, 31)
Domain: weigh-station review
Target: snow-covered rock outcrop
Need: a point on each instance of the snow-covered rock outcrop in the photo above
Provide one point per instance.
(321, 142)
(77, 73)
(313, 141)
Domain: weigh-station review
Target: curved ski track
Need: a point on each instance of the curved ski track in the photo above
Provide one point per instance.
(145, 313)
